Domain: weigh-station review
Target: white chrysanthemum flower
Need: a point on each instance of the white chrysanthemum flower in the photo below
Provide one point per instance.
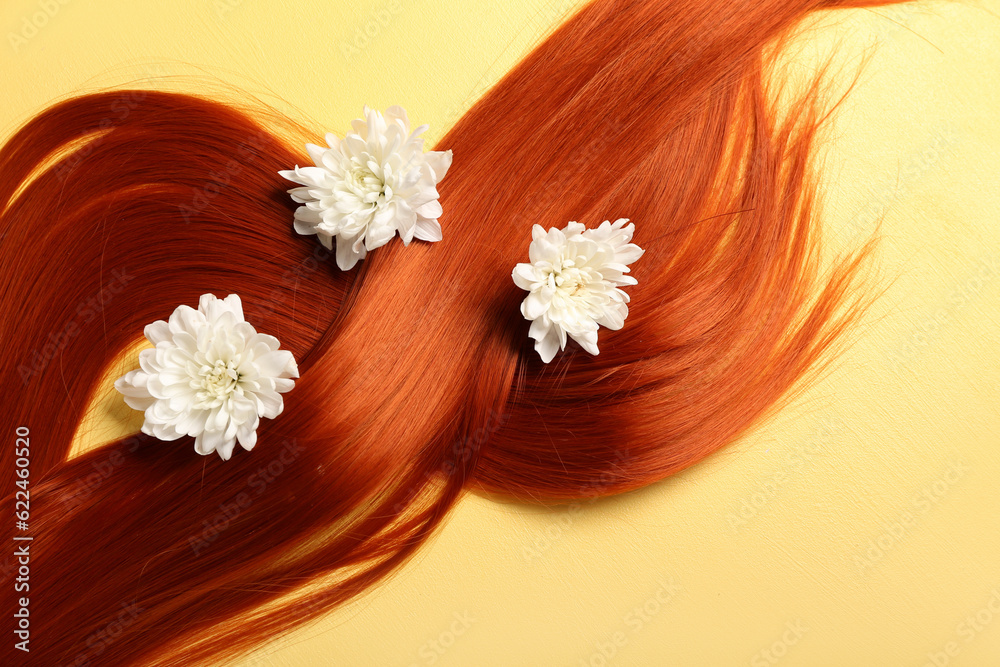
(364, 189)
(573, 281)
(211, 376)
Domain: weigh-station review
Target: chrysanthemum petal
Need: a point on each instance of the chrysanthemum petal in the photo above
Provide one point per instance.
(427, 230)
(440, 162)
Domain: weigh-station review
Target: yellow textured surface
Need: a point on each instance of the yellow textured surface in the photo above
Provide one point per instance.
(858, 527)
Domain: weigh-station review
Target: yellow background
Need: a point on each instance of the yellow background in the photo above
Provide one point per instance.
(858, 527)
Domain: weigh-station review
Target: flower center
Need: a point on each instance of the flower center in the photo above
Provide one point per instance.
(573, 282)
(217, 382)
(368, 186)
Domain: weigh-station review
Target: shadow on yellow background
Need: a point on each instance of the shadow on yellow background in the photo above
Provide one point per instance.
(858, 527)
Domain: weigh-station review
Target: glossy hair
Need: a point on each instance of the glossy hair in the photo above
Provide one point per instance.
(418, 380)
